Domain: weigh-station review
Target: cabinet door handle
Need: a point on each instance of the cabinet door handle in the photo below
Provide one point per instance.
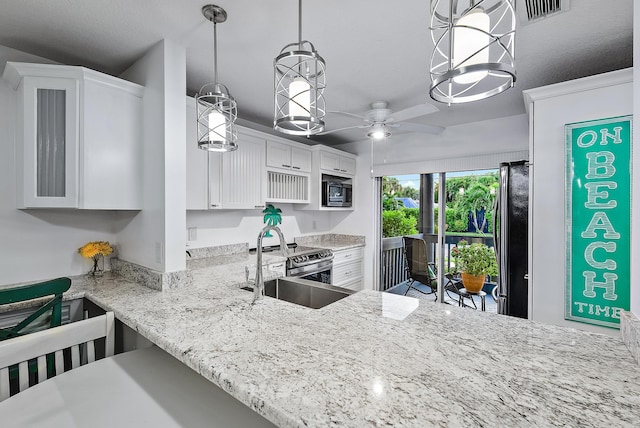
(336, 169)
(286, 166)
(214, 205)
(346, 256)
(259, 206)
(343, 170)
(295, 167)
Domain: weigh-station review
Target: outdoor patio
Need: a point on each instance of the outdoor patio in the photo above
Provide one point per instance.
(491, 305)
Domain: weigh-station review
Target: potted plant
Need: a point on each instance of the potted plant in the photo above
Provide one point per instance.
(474, 262)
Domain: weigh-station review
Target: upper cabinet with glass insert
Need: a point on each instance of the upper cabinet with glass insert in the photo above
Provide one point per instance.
(78, 138)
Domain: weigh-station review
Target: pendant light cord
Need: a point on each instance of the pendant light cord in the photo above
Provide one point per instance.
(215, 53)
(300, 24)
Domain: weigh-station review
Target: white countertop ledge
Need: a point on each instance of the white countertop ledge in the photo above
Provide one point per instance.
(375, 359)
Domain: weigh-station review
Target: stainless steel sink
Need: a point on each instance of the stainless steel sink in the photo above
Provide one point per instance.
(303, 292)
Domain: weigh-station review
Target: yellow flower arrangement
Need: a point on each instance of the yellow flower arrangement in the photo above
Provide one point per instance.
(95, 250)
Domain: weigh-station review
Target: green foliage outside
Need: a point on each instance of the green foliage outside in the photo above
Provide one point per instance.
(475, 259)
(465, 194)
(398, 223)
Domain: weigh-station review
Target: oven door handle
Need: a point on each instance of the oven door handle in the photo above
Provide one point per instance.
(310, 269)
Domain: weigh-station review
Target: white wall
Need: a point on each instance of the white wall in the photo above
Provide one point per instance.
(595, 97)
(40, 244)
(220, 227)
(155, 238)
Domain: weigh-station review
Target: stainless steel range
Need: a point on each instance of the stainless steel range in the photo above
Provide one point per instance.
(310, 263)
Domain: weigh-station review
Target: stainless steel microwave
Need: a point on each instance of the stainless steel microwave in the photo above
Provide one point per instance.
(336, 194)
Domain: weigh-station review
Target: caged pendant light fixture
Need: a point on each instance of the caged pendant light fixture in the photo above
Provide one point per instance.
(299, 83)
(473, 55)
(216, 109)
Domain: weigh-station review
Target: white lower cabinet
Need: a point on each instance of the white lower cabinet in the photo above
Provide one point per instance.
(348, 268)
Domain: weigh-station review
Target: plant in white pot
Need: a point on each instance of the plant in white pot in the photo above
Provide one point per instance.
(474, 262)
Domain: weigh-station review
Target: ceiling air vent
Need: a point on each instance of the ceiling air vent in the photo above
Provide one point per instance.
(533, 10)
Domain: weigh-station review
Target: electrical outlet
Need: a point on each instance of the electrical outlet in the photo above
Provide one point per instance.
(193, 233)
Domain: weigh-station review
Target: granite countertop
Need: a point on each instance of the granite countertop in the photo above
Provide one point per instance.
(332, 241)
(377, 359)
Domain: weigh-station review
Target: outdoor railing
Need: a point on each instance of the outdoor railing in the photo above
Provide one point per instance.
(393, 267)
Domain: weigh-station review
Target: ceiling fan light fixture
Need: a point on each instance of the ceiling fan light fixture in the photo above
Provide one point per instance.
(216, 108)
(473, 55)
(299, 83)
(378, 132)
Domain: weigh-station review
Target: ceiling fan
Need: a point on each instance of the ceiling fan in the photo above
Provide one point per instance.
(380, 119)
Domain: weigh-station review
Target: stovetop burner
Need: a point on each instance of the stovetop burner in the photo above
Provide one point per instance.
(303, 256)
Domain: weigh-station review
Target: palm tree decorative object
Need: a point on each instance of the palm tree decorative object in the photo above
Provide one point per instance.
(272, 217)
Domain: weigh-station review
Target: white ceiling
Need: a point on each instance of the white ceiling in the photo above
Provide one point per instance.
(374, 50)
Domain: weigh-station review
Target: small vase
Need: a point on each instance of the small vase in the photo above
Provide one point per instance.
(98, 266)
(473, 283)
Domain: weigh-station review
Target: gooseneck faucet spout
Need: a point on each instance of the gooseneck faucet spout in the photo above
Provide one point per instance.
(258, 289)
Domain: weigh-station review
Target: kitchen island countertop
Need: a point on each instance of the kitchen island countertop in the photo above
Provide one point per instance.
(377, 359)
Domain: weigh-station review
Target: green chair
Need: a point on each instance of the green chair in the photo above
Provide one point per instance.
(36, 321)
(51, 308)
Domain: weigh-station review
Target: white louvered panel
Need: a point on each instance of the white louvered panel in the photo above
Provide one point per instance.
(287, 187)
(242, 174)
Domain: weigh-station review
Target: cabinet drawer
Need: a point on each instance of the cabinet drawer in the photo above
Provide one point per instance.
(347, 256)
(347, 272)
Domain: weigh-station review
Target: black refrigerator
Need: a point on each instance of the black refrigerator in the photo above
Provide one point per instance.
(511, 232)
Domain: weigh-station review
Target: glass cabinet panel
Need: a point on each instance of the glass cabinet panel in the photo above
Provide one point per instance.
(50, 142)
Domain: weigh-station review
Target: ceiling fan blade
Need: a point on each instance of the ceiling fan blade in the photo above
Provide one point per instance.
(345, 113)
(413, 112)
(418, 127)
(343, 129)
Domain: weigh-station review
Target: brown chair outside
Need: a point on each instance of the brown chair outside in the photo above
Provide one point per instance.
(417, 267)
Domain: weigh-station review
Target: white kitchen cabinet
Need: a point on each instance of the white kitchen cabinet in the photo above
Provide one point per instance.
(348, 268)
(286, 156)
(288, 168)
(264, 168)
(240, 175)
(333, 165)
(333, 162)
(78, 138)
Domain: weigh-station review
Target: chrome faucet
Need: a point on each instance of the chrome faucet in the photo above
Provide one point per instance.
(258, 288)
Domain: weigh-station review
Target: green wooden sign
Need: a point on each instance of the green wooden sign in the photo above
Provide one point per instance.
(598, 220)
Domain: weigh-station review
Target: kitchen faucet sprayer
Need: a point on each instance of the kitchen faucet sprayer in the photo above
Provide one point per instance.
(258, 289)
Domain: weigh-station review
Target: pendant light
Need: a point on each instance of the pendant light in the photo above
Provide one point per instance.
(299, 83)
(473, 55)
(216, 108)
